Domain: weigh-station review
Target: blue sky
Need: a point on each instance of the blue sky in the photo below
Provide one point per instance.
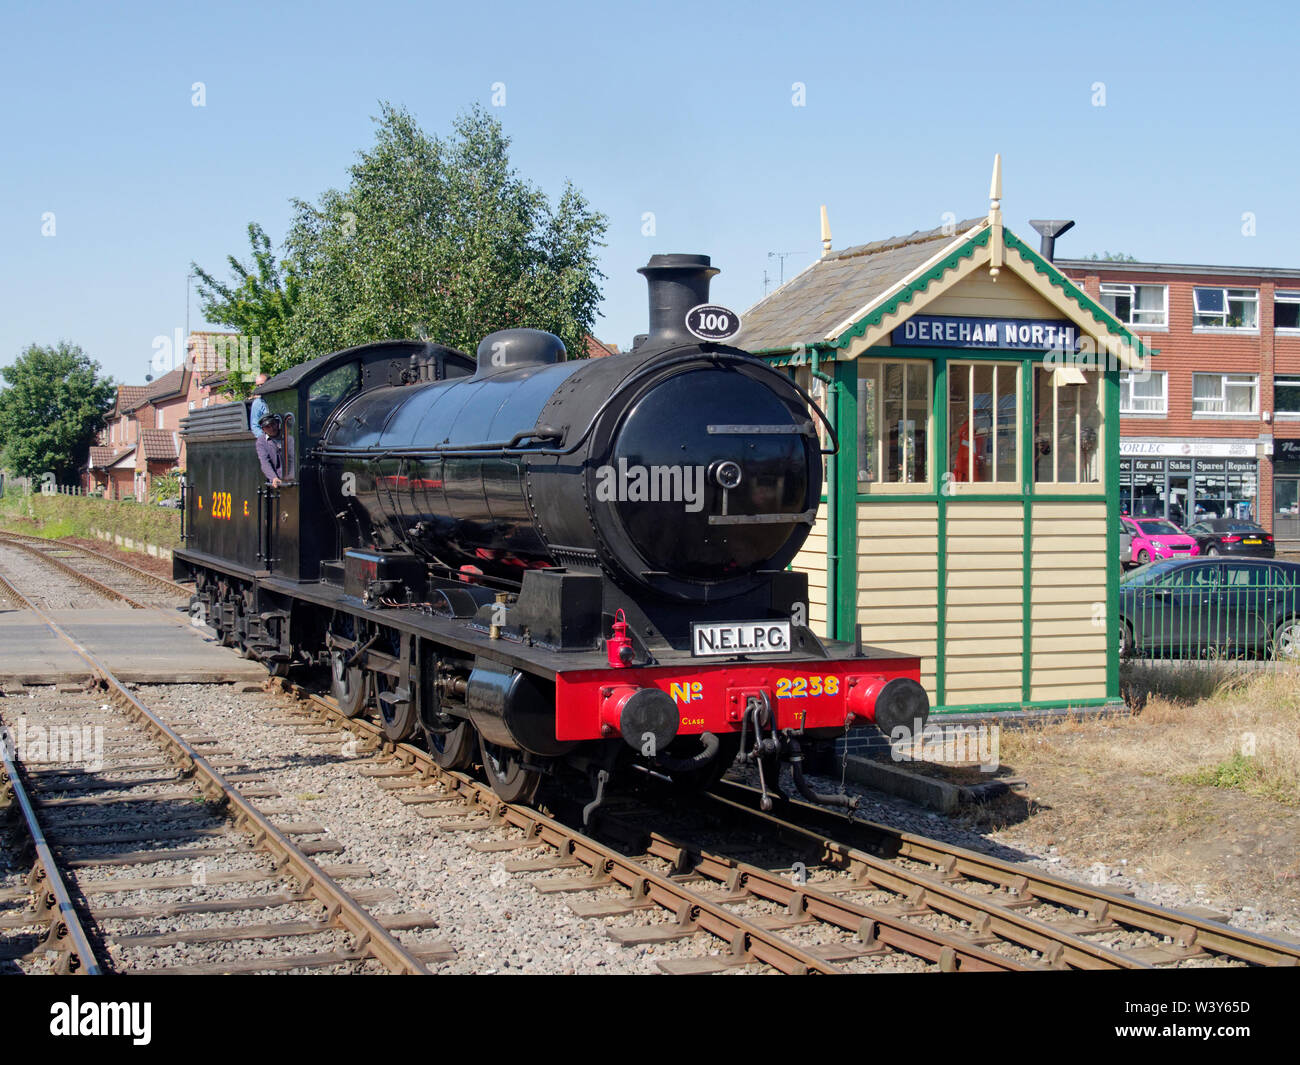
(680, 109)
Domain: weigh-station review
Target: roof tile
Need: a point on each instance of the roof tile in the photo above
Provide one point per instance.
(819, 299)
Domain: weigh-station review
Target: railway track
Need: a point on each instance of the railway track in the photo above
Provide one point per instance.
(842, 896)
(883, 900)
(104, 566)
(168, 809)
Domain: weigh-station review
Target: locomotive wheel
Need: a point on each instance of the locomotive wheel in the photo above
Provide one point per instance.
(453, 749)
(506, 774)
(398, 719)
(347, 685)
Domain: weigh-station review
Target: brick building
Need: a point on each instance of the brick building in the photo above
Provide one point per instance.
(1215, 429)
(142, 438)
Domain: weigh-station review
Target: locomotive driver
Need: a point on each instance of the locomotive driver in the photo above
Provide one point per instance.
(274, 452)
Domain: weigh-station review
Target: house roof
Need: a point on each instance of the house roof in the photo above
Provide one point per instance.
(169, 384)
(130, 396)
(810, 305)
(103, 457)
(597, 349)
(159, 445)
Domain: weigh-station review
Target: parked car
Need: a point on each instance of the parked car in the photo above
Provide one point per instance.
(1156, 538)
(1233, 536)
(1125, 544)
(1201, 607)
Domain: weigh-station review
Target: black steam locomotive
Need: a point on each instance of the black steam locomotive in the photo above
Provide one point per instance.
(535, 562)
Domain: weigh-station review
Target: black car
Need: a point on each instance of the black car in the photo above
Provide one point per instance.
(1211, 607)
(1232, 536)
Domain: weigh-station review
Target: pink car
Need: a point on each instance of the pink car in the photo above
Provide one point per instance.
(1155, 538)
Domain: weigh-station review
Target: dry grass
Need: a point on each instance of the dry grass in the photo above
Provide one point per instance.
(1197, 786)
(1207, 725)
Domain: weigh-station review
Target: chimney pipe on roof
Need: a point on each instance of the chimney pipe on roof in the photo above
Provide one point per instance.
(1049, 229)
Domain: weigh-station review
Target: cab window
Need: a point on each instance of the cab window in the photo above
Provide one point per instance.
(328, 392)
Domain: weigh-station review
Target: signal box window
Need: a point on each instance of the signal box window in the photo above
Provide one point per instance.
(893, 422)
(1067, 426)
(983, 422)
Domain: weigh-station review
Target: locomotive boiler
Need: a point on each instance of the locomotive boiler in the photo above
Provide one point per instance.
(538, 563)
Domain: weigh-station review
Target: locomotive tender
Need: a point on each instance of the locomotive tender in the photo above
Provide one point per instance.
(535, 562)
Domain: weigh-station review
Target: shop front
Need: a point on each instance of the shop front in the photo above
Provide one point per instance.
(1286, 489)
(1188, 481)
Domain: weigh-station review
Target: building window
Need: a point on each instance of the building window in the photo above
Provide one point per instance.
(893, 422)
(1286, 310)
(159, 419)
(983, 422)
(1137, 305)
(1286, 396)
(1144, 393)
(1225, 393)
(1227, 308)
(1067, 426)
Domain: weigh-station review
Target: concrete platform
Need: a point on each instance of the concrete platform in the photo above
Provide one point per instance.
(139, 646)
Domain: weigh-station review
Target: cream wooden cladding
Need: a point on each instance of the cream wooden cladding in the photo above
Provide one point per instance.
(898, 580)
(1068, 628)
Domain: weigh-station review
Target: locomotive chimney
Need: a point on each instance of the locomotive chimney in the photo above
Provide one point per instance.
(677, 283)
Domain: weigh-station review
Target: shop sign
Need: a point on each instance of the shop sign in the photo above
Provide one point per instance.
(1193, 449)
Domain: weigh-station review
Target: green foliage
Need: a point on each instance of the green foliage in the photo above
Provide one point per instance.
(1238, 771)
(52, 409)
(258, 303)
(57, 515)
(1110, 257)
(441, 239)
(166, 486)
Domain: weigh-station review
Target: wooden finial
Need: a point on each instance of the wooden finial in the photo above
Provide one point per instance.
(995, 218)
(826, 233)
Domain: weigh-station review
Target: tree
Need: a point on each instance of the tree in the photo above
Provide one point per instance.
(441, 239)
(258, 304)
(52, 409)
(1111, 257)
